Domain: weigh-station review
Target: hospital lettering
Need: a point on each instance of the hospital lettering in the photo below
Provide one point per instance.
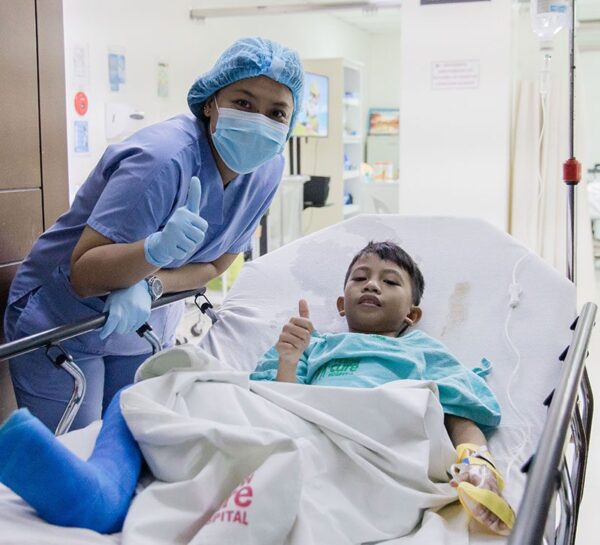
(241, 517)
(337, 368)
(233, 509)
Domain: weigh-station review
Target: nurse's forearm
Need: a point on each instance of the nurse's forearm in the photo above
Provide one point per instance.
(188, 277)
(194, 275)
(99, 266)
(108, 267)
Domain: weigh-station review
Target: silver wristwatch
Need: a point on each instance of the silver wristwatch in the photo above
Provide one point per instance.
(155, 287)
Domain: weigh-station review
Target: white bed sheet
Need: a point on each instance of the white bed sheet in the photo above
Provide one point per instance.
(468, 267)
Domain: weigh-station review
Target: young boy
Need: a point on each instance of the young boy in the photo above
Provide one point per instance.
(382, 291)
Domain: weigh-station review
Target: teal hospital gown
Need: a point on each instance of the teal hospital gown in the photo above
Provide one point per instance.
(365, 360)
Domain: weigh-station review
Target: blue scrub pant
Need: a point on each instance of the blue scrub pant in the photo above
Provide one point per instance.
(45, 389)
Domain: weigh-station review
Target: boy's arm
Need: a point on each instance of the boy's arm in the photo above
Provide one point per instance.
(462, 430)
(286, 372)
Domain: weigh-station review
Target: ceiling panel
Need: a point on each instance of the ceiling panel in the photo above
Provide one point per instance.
(372, 20)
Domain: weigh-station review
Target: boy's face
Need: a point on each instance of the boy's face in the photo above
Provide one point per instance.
(378, 298)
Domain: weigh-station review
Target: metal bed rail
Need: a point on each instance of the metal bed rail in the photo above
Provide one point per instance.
(568, 422)
(51, 339)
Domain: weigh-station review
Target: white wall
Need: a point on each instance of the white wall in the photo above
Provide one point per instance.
(588, 72)
(150, 31)
(455, 143)
(384, 69)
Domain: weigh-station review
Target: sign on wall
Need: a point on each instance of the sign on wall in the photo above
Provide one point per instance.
(80, 137)
(116, 69)
(455, 75)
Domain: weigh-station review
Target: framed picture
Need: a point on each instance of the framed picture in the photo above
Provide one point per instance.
(384, 121)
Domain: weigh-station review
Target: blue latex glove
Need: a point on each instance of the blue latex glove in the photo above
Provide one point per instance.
(181, 235)
(127, 309)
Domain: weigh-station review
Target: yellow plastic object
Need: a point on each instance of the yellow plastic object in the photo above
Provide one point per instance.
(465, 451)
(470, 495)
(216, 284)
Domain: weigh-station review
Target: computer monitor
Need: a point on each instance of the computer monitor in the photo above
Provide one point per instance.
(313, 118)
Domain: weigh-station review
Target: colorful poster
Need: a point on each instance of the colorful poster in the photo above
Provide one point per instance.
(116, 70)
(384, 121)
(80, 138)
(313, 118)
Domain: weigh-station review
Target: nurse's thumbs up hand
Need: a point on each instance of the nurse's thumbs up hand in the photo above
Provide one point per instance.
(181, 235)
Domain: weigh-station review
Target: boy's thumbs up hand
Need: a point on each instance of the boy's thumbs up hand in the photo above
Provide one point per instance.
(303, 309)
(295, 336)
(183, 233)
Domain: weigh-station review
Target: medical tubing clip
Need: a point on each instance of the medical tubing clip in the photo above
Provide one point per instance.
(64, 360)
(206, 308)
(145, 331)
(571, 171)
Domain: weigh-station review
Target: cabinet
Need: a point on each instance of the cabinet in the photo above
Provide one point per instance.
(33, 141)
(354, 129)
(380, 197)
(340, 153)
(284, 220)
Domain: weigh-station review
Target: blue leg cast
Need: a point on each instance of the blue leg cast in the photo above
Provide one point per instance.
(62, 488)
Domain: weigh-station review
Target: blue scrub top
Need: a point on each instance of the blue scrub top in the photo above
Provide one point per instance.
(131, 193)
(363, 360)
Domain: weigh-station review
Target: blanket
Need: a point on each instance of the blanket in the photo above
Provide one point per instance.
(244, 462)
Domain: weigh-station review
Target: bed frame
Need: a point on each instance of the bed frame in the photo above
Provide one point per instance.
(50, 341)
(555, 473)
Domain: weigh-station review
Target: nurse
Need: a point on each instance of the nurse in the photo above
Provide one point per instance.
(166, 210)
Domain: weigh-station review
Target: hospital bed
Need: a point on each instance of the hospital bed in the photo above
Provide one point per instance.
(486, 296)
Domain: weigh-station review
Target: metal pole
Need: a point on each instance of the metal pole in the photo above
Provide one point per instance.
(62, 333)
(572, 168)
(571, 234)
(77, 396)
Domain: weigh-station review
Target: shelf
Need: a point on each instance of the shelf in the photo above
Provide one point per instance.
(351, 210)
(348, 174)
(354, 139)
(352, 102)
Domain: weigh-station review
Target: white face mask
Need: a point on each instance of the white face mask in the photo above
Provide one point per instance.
(246, 140)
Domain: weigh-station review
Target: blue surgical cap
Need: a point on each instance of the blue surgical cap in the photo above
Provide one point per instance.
(248, 58)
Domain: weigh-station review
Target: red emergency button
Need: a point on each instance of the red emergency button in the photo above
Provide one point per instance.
(81, 103)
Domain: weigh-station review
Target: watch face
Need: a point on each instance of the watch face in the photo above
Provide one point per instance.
(156, 287)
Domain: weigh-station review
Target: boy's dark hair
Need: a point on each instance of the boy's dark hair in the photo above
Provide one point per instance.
(389, 251)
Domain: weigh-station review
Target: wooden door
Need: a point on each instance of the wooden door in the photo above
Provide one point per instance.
(33, 152)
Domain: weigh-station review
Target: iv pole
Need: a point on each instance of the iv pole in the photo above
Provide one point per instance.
(572, 167)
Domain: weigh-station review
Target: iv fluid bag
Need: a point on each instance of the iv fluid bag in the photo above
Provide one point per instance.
(549, 17)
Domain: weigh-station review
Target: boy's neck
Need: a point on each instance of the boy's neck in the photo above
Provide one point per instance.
(393, 333)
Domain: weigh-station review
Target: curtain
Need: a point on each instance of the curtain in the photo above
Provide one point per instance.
(539, 147)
